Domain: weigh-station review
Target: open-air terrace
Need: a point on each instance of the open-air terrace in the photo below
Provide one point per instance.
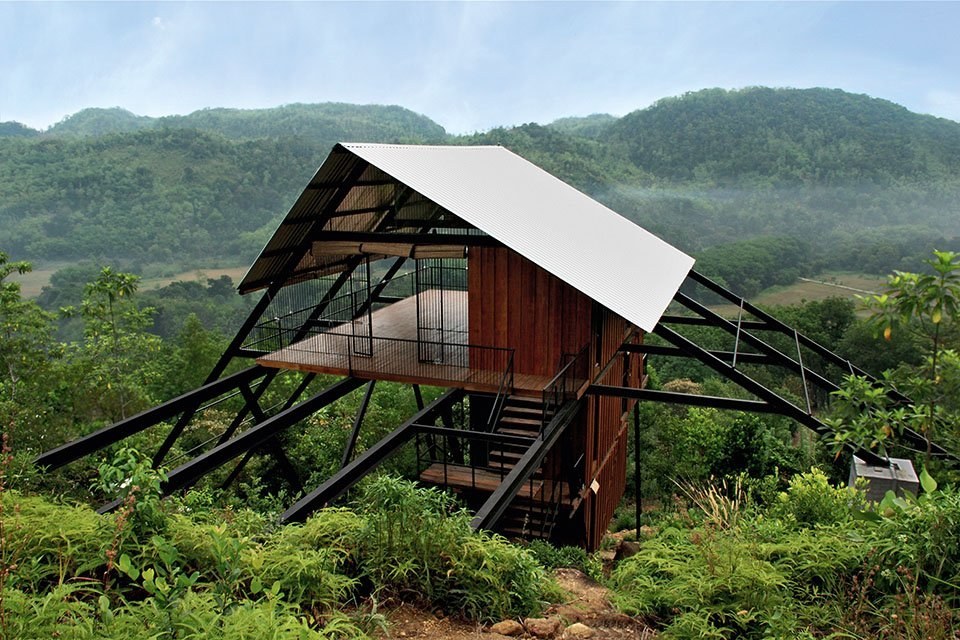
(386, 346)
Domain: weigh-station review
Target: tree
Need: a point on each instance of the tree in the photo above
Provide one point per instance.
(925, 306)
(117, 358)
(26, 348)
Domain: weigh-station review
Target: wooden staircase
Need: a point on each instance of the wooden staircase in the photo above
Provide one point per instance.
(528, 515)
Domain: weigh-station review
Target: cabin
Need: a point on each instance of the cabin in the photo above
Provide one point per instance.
(470, 268)
(526, 302)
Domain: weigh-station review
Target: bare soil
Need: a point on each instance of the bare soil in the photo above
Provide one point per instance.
(588, 603)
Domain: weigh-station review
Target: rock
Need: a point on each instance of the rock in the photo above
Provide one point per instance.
(507, 628)
(578, 631)
(542, 627)
(627, 549)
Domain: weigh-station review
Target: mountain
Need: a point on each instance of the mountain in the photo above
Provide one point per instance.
(98, 122)
(16, 130)
(786, 136)
(592, 126)
(852, 175)
(324, 123)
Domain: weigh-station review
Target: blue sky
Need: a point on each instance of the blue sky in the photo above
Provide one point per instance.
(469, 66)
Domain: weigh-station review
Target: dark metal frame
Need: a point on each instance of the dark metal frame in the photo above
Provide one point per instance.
(725, 363)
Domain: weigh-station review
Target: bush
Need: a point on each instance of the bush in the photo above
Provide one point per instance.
(810, 500)
(419, 543)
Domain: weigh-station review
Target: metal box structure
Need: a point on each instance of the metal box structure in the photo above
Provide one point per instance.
(898, 477)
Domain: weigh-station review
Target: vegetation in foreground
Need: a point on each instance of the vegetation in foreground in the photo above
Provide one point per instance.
(175, 569)
(785, 554)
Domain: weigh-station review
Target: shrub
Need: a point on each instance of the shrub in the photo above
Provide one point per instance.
(810, 500)
(419, 543)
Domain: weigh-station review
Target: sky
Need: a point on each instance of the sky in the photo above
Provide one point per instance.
(469, 66)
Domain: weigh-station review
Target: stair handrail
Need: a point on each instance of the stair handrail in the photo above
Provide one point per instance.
(556, 392)
(506, 386)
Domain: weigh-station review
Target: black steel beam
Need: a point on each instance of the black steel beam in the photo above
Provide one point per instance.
(341, 481)
(772, 324)
(357, 422)
(777, 356)
(488, 514)
(670, 397)
(316, 222)
(307, 379)
(786, 407)
(661, 350)
(356, 183)
(483, 436)
(187, 474)
(776, 325)
(697, 321)
(108, 435)
(424, 239)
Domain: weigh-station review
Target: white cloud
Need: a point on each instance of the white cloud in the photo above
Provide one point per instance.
(943, 103)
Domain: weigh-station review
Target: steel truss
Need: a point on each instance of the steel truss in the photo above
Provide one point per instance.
(761, 353)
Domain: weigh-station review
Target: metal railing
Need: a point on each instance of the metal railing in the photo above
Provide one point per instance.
(504, 390)
(368, 356)
(571, 375)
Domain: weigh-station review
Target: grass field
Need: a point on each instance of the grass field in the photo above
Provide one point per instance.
(33, 282)
(820, 287)
(235, 274)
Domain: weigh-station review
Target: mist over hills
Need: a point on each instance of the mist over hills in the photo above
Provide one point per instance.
(831, 169)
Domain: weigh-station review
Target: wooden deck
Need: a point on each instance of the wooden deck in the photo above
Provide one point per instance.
(461, 478)
(395, 354)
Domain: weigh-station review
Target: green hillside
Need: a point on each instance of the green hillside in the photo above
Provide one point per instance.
(787, 136)
(839, 170)
(325, 123)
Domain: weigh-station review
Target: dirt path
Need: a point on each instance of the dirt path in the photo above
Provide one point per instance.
(588, 604)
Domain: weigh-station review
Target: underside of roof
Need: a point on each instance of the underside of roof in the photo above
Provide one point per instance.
(379, 199)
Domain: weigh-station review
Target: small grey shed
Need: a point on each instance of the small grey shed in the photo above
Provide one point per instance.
(899, 476)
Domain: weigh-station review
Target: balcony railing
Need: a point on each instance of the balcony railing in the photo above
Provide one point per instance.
(369, 356)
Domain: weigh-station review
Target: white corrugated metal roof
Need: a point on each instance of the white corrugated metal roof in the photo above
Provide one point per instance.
(590, 247)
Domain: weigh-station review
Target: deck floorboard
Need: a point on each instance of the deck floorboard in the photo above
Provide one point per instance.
(395, 354)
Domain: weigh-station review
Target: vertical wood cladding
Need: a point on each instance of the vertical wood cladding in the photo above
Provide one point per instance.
(515, 304)
(518, 305)
(608, 422)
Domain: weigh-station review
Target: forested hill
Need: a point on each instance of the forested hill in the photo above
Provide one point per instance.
(811, 136)
(703, 169)
(325, 123)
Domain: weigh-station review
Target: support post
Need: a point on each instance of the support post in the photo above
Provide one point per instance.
(637, 484)
(357, 422)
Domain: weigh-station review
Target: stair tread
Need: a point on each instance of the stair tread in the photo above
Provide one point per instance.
(520, 401)
(533, 411)
(526, 421)
(463, 477)
(516, 432)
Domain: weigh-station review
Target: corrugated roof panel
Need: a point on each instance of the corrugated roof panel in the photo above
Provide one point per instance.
(574, 237)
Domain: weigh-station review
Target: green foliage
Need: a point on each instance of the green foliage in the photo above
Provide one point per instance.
(790, 135)
(927, 307)
(419, 543)
(810, 500)
(130, 478)
(551, 557)
(920, 538)
(192, 579)
(26, 352)
(695, 444)
(733, 569)
(749, 266)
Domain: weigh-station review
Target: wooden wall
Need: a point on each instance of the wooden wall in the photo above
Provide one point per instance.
(608, 423)
(516, 304)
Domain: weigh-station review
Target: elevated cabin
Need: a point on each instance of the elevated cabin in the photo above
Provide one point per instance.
(470, 268)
